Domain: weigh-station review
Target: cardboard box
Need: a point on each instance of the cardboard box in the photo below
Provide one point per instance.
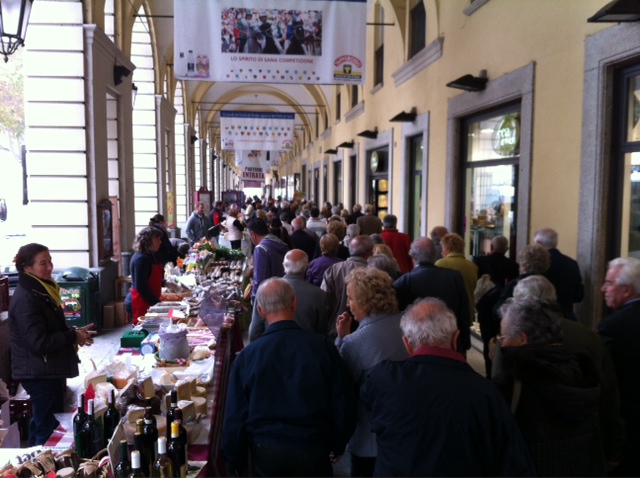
(121, 313)
(109, 316)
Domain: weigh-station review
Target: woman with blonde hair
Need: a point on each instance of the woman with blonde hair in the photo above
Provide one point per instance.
(373, 304)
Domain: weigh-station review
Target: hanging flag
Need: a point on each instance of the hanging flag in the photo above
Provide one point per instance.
(300, 41)
(260, 131)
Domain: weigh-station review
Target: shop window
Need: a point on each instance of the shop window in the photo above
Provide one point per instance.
(337, 182)
(414, 225)
(338, 112)
(491, 152)
(418, 29)
(626, 168)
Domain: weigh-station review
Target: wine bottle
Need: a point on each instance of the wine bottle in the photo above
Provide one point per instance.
(111, 418)
(163, 466)
(148, 411)
(177, 451)
(136, 462)
(171, 412)
(78, 422)
(138, 445)
(191, 67)
(91, 434)
(182, 430)
(149, 436)
(123, 468)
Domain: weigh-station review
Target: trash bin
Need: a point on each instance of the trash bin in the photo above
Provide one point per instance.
(80, 293)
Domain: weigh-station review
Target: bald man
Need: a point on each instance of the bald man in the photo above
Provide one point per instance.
(290, 399)
(312, 309)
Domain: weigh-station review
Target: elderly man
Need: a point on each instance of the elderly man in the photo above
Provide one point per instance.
(334, 281)
(355, 214)
(427, 280)
(436, 234)
(312, 310)
(620, 332)
(290, 399)
(500, 268)
(433, 415)
(369, 223)
(564, 272)
(398, 242)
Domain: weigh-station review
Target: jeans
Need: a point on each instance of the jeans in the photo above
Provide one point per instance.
(47, 398)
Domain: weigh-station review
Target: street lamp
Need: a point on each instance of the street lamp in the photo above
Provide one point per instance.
(14, 17)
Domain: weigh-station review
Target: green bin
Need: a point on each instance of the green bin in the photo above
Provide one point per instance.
(80, 293)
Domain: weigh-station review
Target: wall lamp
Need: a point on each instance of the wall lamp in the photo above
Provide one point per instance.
(14, 18)
(346, 144)
(120, 73)
(470, 82)
(331, 151)
(134, 94)
(369, 133)
(404, 117)
(617, 11)
(193, 138)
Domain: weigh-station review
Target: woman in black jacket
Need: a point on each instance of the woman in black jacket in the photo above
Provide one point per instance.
(43, 355)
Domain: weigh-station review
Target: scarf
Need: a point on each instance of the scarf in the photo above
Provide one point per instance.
(52, 288)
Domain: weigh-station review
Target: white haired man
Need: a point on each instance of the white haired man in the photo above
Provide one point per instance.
(620, 332)
(433, 415)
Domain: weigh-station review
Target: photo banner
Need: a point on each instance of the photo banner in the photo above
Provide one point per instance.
(300, 41)
(268, 159)
(260, 131)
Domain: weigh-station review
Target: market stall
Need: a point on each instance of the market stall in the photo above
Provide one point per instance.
(184, 344)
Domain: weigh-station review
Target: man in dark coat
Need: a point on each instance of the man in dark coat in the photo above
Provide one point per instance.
(427, 280)
(290, 399)
(353, 217)
(621, 334)
(301, 240)
(500, 268)
(433, 415)
(564, 272)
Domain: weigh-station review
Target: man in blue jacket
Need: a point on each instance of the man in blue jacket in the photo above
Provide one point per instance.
(290, 400)
(267, 255)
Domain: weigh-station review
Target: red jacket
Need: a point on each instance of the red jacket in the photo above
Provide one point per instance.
(399, 243)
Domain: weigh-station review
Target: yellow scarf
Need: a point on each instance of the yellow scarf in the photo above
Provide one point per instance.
(52, 288)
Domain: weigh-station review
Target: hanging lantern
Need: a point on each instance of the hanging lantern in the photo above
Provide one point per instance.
(14, 17)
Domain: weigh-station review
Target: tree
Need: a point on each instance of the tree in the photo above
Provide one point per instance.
(12, 101)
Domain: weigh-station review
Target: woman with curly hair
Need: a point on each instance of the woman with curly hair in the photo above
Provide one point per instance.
(146, 274)
(373, 304)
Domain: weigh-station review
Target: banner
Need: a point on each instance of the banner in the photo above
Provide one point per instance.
(300, 41)
(268, 159)
(259, 131)
(253, 165)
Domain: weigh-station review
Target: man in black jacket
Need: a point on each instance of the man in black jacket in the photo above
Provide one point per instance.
(564, 272)
(427, 280)
(621, 334)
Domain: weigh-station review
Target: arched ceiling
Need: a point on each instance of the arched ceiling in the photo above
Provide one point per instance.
(208, 98)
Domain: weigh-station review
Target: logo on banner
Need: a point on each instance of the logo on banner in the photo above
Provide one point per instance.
(347, 71)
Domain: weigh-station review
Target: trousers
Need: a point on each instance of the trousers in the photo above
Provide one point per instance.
(47, 398)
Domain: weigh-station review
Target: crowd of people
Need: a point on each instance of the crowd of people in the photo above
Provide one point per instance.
(557, 398)
(358, 342)
(263, 31)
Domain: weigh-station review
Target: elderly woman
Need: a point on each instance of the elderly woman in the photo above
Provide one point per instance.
(146, 277)
(42, 345)
(372, 302)
(329, 246)
(384, 263)
(533, 259)
(555, 392)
